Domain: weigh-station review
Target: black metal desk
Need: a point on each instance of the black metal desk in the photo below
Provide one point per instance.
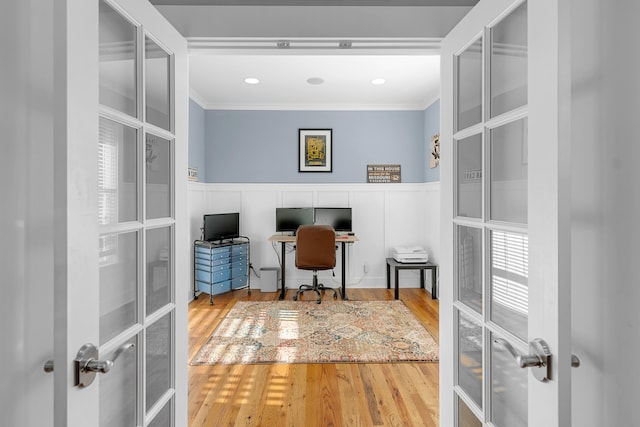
(422, 266)
(284, 239)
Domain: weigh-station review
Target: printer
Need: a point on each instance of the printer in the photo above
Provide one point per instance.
(408, 254)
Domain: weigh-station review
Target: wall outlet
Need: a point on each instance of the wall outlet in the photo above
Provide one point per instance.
(365, 267)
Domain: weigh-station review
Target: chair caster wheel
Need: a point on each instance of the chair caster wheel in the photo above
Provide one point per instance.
(318, 301)
(295, 297)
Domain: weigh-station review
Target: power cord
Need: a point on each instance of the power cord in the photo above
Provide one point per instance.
(254, 270)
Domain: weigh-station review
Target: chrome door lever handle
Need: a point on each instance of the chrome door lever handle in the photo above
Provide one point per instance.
(87, 363)
(101, 366)
(530, 361)
(523, 361)
(539, 359)
(104, 366)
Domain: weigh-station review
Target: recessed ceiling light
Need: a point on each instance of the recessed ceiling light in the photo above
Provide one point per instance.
(378, 81)
(251, 81)
(315, 80)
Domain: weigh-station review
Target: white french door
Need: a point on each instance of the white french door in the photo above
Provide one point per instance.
(121, 238)
(505, 227)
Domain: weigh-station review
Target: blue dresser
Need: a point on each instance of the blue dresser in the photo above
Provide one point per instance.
(220, 267)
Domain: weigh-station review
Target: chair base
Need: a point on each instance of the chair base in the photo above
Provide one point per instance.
(318, 288)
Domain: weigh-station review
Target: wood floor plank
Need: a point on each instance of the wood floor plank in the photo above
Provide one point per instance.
(271, 410)
(294, 395)
(355, 411)
(312, 394)
(393, 377)
(415, 394)
(252, 393)
(330, 407)
(370, 395)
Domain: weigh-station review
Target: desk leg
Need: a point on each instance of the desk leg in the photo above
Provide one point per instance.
(284, 269)
(397, 292)
(388, 276)
(344, 273)
(434, 287)
(422, 278)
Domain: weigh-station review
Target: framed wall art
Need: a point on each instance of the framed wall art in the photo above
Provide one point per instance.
(315, 150)
(434, 160)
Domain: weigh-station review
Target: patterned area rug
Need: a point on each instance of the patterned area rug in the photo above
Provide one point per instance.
(306, 332)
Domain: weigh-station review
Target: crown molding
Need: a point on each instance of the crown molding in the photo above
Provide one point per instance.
(328, 107)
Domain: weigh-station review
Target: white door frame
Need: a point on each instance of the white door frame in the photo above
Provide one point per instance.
(26, 215)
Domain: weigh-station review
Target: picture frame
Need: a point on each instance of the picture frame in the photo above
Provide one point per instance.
(315, 150)
(434, 160)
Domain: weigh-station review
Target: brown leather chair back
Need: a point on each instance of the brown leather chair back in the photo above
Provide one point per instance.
(315, 247)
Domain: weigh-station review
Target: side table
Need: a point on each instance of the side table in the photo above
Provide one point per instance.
(422, 266)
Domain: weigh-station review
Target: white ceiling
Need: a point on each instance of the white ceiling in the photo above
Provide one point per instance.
(394, 40)
(217, 81)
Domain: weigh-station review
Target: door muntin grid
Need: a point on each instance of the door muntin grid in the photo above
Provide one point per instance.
(137, 240)
(490, 223)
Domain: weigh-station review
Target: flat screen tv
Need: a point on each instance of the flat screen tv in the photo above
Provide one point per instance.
(289, 219)
(338, 218)
(221, 226)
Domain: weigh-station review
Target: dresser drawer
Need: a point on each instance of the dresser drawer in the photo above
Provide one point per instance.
(222, 287)
(212, 252)
(239, 282)
(206, 262)
(215, 288)
(237, 272)
(213, 276)
(240, 249)
(239, 264)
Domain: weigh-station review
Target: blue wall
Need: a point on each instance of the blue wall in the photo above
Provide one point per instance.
(262, 146)
(431, 127)
(196, 139)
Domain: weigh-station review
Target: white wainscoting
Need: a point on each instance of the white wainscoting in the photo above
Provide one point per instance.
(384, 216)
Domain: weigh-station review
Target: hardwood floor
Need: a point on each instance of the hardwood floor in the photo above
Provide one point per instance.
(322, 395)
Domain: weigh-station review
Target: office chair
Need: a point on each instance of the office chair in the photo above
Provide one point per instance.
(315, 250)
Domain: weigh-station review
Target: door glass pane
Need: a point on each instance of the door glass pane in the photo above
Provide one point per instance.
(509, 172)
(508, 389)
(117, 173)
(158, 268)
(469, 174)
(118, 281)
(466, 418)
(163, 419)
(118, 390)
(158, 374)
(156, 62)
(470, 267)
(158, 166)
(510, 281)
(469, 85)
(470, 358)
(509, 62)
(117, 65)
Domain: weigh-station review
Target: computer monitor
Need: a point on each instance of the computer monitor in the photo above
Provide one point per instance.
(338, 218)
(221, 226)
(289, 219)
